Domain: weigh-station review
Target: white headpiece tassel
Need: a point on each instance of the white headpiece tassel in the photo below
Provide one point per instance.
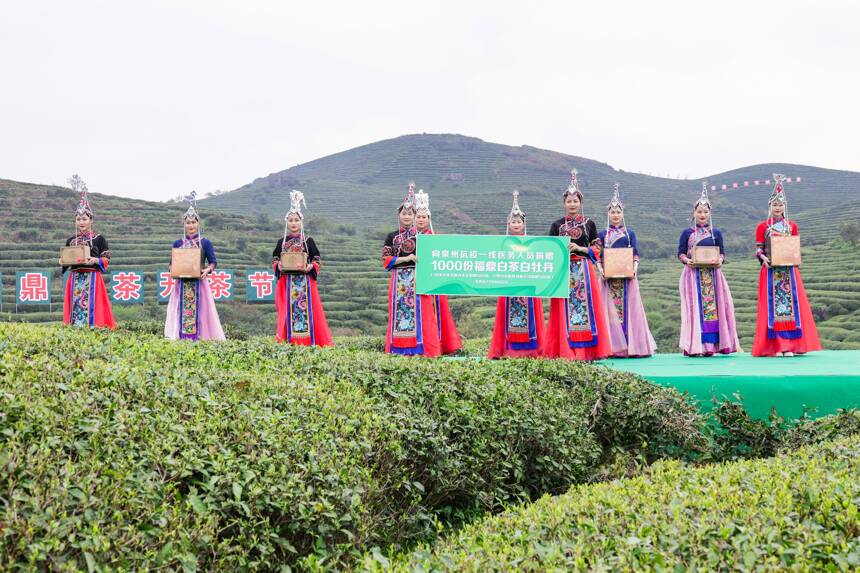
(516, 212)
(297, 199)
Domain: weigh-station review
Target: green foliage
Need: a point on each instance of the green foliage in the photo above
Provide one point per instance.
(849, 232)
(795, 512)
(736, 435)
(126, 451)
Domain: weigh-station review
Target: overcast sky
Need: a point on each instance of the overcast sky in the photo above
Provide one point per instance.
(150, 99)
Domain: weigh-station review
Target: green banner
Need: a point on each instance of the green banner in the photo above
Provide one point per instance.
(482, 265)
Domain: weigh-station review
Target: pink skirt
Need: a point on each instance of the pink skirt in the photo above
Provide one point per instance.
(629, 334)
(707, 313)
(191, 312)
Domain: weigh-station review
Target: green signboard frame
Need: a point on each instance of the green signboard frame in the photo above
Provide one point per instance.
(126, 287)
(493, 265)
(31, 286)
(260, 285)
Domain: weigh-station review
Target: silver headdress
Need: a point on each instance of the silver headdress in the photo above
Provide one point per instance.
(778, 194)
(573, 187)
(703, 198)
(516, 212)
(191, 214)
(409, 202)
(78, 186)
(297, 199)
(422, 202)
(422, 205)
(615, 202)
(705, 202)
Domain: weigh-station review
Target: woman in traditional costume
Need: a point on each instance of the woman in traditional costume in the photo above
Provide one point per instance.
(629, 334)
(577, 324)
(412, 328)
(301, 319)
(86, 301)
(707, 308)
(519, 327)
(449, 338)
(784, 325)
(191, 312)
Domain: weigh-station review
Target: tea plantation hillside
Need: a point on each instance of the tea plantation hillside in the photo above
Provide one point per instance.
(141, 233)
(352, 284)
(470, 182)
(831, 275)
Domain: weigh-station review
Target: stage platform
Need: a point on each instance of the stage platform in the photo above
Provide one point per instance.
(825, 380)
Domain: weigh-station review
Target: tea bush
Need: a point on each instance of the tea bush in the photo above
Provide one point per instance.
(125, 451)
(796, 512)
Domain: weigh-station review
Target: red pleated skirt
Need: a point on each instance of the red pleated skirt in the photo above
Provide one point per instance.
(318, 324)
(578, 345)
(429, 343)
(100, 313)
(499, 344)
(765, 346)
(449, 338)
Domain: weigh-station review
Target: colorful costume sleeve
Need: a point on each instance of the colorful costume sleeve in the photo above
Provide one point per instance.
(276, 258)
(593, 241)
(682, 245)
(633, 243)
(718, 240)
(313, 257)
(68, 244)
(760, 240)
(388, 259)
(100, 245)
(209, 253)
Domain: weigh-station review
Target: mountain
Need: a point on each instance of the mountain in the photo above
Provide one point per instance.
(470, 182)
(352, 197)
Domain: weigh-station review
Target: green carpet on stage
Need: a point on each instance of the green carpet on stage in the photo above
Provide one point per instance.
(821, 381)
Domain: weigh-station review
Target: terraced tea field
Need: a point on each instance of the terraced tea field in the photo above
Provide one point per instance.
(470, 182)
(141, 233)
(352, 283)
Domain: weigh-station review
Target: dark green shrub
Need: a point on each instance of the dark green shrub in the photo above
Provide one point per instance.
(127, 451)
(796, 512)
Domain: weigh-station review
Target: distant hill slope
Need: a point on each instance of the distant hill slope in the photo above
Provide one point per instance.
(352, 198)
(470, 182)
(38, 219)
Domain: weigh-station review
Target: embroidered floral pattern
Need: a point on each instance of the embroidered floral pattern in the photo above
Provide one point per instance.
(573, 228)
(577, 313)
(299, 300)
(708, 295)
(518, 314)
(613, 234)
(698, 235)
(405, 319)
(189, 308)
(616, 293)
(780, 227)
(81, 303)
(404, 242)
(783, 295)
